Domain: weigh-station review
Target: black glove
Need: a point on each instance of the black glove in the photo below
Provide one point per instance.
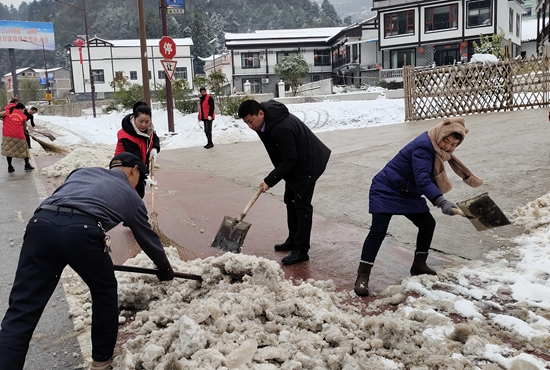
(166, 273)
(445, 205)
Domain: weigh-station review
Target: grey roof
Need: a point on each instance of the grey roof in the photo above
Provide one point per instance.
(298, 36)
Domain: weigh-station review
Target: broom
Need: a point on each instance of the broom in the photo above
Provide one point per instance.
(50, 148)
(185, 254)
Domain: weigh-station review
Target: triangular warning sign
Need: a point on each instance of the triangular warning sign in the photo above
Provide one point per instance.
(169, 68)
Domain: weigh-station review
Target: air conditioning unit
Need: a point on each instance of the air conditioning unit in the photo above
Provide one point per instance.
(265, 80)
(261, 56)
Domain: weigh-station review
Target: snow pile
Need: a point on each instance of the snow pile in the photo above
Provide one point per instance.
(486, 59)
(81, 156)
(533, 215)
(245, 315)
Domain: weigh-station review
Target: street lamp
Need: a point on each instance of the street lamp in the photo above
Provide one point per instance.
(92, 85)
(45, 67)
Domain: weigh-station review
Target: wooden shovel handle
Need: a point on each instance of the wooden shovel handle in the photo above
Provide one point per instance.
(143, 270)
(250, 204)
(458, 211)
(152, 177)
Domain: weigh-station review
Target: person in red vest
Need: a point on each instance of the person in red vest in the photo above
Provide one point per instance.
(137, 136)
(14, 143)
(207, 115)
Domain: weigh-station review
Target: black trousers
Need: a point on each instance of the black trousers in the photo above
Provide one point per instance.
(28, 138)
(208, 130)
(380, 222)
(51, 242)
(299, 213)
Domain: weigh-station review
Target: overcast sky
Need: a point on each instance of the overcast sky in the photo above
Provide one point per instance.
(15, 3)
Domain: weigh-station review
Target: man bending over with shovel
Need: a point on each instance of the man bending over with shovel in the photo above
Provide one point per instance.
(299, 158)
(417, 171)
(69, 228)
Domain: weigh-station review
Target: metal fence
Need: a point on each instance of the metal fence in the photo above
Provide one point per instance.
(476, 88)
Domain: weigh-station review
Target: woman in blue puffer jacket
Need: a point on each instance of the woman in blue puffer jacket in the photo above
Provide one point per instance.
(417, 172)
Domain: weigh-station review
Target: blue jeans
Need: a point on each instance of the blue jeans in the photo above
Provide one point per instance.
(51, 242)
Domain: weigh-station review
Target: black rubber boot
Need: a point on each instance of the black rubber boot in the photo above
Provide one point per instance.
(419, 266)
(296, 256)
(287, 246)
(362, 282)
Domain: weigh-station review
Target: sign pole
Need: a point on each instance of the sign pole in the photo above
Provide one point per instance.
(13, 75)
(143, 49)
(169, 99)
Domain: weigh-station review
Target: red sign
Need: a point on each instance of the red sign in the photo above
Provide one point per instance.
(167, 47)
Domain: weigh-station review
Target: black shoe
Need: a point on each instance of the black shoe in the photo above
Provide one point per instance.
(11, 169)
(28, 167)
(208, 146)
(284, 247)
(296, 256)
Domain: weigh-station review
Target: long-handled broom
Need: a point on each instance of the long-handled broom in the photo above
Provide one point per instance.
(185, 254)
(50, 148)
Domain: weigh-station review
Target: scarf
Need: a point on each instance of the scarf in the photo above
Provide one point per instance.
(438, 133)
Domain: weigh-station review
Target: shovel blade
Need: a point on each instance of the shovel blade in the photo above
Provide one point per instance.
(483, 213)
(230, 236)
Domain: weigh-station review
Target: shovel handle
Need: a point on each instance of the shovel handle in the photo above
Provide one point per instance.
(250, 204)
(458, 211)
(143, 270)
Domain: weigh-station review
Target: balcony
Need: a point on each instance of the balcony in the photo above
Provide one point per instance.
(239, 71)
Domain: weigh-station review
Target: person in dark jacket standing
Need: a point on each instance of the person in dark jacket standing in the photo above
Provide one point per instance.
(30, 118)
(207, 115)
(417, 171)
(299, 158)
(137, 136)
(69, 228)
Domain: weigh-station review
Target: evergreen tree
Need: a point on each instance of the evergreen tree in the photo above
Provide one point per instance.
(291, 69)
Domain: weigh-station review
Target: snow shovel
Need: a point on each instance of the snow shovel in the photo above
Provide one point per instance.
(230, 236)
(482, 212)
(142, 270)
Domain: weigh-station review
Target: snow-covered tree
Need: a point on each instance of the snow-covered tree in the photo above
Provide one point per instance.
(291, 69)
(491, 45)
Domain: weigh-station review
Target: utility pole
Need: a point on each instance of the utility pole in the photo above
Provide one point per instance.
(169, 99)
(143, 49)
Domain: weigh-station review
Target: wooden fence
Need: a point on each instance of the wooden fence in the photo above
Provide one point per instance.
(475, 88)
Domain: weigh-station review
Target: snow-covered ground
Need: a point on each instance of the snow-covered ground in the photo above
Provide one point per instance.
(491, 314)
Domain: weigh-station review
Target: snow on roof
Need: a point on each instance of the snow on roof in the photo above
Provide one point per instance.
(529, 30)
(37, 70)
(286, 35)
(150, 42)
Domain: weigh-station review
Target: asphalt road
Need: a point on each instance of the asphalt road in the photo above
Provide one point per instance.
(54, 344)
(198, 186)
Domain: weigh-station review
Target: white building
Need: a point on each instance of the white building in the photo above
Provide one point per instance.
(59, 81)
(111, 57)
(420, 33)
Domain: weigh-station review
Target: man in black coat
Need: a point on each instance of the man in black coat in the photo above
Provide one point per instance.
(299, 158)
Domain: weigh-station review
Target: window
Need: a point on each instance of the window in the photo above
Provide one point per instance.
(161, 75)
(282, 54)
(150, 76)
(321, 57)
(99, 76)
(316, 78)
(399, 58)
(441, 17)
(401, 23)
(354, 52)
(255, 85)
(511, 20)
(250, 60)
(479, 13)
(181, 72)
(517, 24)
(133, 75)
